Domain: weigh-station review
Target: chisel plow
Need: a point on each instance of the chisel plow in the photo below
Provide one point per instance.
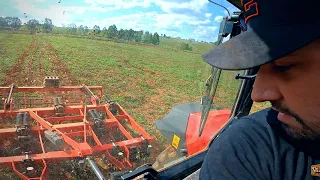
(43, 125)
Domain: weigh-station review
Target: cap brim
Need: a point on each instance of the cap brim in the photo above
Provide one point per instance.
(250, 49)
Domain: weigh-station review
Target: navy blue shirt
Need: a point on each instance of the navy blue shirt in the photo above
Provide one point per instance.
(256, 147)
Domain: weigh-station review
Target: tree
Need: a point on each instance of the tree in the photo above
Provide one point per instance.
(96, 28)
(121, 34)
(131, 35)
(47, 25)
(112, 32)
(186, 46)
(155, 39)
(138, 36)
(86, 29)
(13, 22)
(32, 25)
(3, 23)
(126, 35)
(147, 37)
(104, 31)
(81, 29)
(72, 28)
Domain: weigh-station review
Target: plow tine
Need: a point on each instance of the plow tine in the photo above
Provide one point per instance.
(66, 131)
(50, 127)
(85, 124)
(95, 169)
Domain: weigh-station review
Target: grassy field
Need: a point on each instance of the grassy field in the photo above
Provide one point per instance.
(12, 46)
(174, 44)
(146, 80)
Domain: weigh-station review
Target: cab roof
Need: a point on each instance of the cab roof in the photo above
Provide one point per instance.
(236, 3)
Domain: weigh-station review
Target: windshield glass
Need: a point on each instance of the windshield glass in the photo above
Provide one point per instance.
(98, 88)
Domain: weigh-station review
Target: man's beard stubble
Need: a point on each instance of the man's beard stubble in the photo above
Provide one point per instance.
(305, 133)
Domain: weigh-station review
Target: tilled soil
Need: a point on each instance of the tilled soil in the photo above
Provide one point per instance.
(38, 61)
(41, 59)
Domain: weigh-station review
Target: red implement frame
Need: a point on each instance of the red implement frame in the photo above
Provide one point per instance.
(44, 119)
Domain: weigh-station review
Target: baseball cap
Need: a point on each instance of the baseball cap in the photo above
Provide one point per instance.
(275, 28)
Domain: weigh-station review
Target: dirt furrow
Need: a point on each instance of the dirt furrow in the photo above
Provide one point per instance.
(13, 74)
(38, 61)
(58, 67)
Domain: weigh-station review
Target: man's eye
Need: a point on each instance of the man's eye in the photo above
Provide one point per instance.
(283, 68)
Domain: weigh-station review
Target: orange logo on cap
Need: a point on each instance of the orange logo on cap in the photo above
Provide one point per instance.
(250, 8)
(315, 170)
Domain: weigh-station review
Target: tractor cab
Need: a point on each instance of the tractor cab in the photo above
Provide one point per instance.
(115, 90)
(190, 128)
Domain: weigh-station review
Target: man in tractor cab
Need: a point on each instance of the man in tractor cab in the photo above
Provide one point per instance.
(283, 141)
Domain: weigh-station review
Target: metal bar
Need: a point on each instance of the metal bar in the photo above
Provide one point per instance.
(25, 101)
(72, 134)
(78, 126)
(121, 117)
(94, 136)
(34, 104)
(124, 131)
(134, 124)
(114, 161)
(130, 142)
(22, 176)
(9, 99)
(81, 112)
(44, 171)
(45, 156)
(95, 169)
(50, 110)
(41, 142)
(69, 153)
(49, 126)
(64, 118)
(127, 156)
(94, 99)
(109, 114)
(43, 89)
(87, 90)
(85, 122)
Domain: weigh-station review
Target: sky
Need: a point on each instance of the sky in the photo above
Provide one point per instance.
(187, 19)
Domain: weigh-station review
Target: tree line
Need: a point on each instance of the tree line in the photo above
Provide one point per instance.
(112, 32)
(13, 23)
(33, 25)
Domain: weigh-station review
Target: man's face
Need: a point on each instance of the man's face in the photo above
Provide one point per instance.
(292, 85)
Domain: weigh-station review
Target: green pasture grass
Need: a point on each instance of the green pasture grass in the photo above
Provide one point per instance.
(145, 80)
(175, 44)
(12, 46)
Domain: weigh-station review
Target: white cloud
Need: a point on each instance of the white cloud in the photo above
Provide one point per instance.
(40, 1)
(120, 4)
(177, 16)
(170, 6)
(165, 5)
(54, 12)
(205, 33)
(208, 15)
(167, 20)
(170, 24)
(218, 19)
(59, 15)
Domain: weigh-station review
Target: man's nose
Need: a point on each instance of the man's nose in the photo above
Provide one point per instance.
(265, 88)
